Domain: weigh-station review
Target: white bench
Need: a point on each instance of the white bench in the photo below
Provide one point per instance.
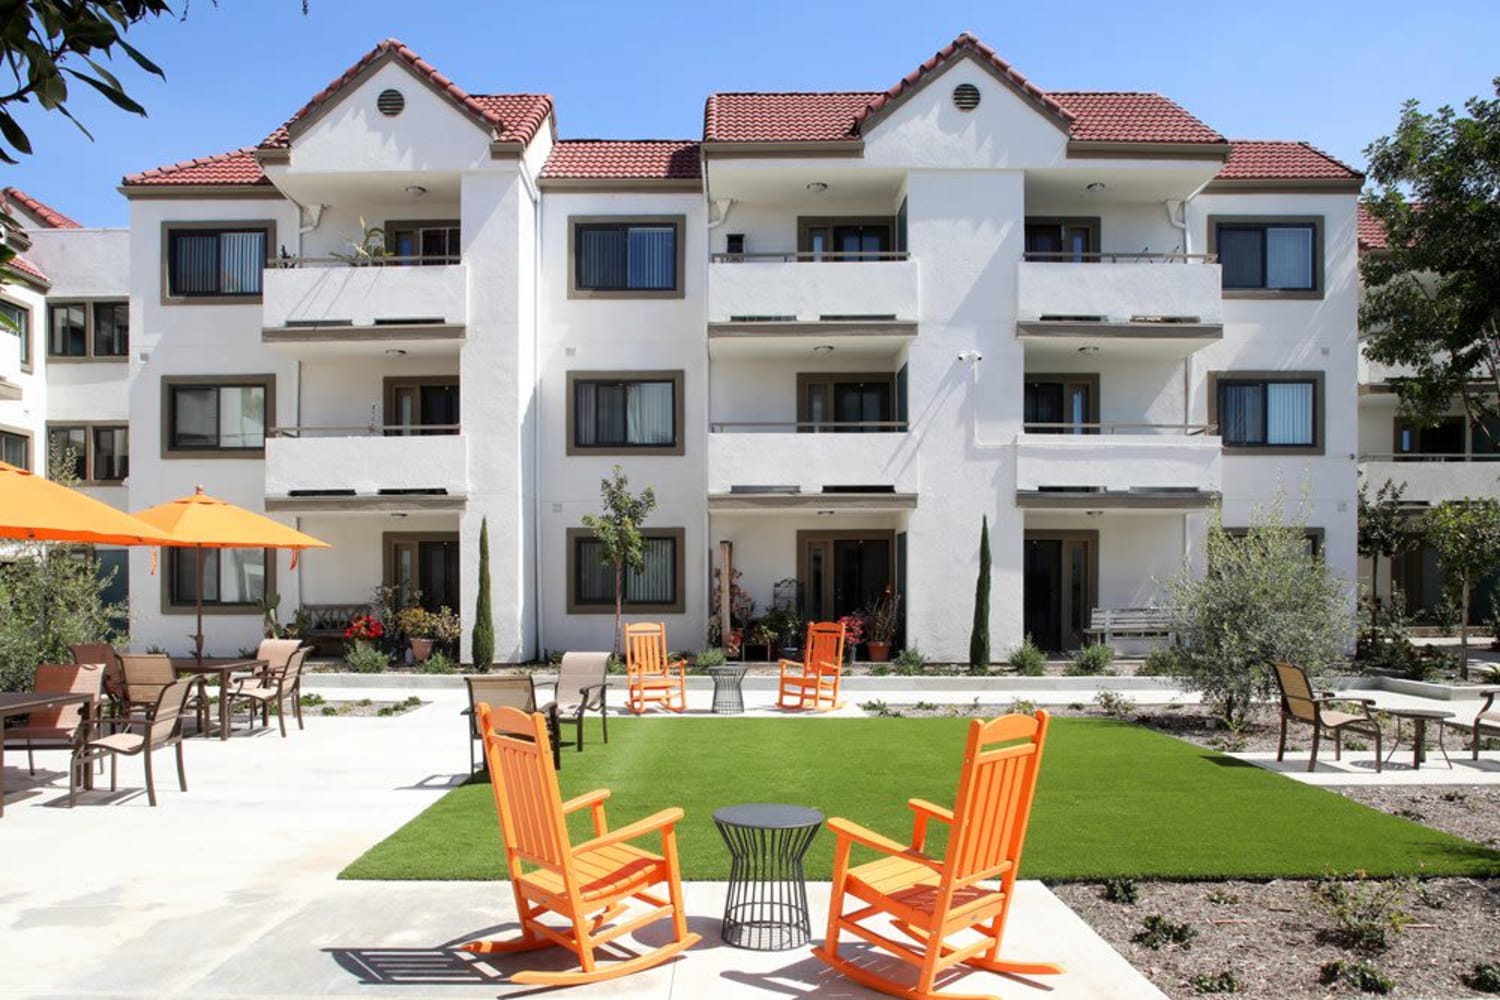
(1106, 625)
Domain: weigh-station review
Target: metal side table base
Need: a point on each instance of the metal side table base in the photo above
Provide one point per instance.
(766, 906)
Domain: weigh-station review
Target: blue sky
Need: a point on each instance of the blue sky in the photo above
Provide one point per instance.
(1333, 73)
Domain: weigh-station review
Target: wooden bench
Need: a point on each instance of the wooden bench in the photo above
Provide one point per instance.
(326, 623)
(1105, 624)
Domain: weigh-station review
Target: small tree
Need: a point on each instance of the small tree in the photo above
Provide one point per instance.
(618, 530)
(1466, 535)
(979, 636)
(1263, 598)
(1384, 530)
(483, 639)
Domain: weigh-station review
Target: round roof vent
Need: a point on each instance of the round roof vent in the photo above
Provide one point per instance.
(391, 102)
(966, 97)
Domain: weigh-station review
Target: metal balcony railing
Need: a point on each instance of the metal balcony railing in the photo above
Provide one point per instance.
(1114, 257)
(796, 256)
(364, 430)
(1118, 427)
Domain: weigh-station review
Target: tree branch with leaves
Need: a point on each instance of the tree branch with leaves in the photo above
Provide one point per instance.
(618, 530)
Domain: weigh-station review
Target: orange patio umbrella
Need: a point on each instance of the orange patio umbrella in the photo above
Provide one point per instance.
(202, 522)
(36, 509)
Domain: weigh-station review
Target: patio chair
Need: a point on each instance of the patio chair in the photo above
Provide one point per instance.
(814, 682)
(652, 678)
(63, 727)
(1300, 704)
(274, 686)
(589, 885)
(516, 691)
(146, 676)
(581, 688)
(105, 655)
(159, 728)
(1486, 720)
(968, 889)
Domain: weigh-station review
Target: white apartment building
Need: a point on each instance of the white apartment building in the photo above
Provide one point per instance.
(833, 334)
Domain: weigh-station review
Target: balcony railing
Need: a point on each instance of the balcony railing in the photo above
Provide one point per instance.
(764, 454)
(805, 426)
(1122, 290)
(1434, 478)
(366, 461)
(794, 287)
(302, 292)
(808, 256)
(1111, 257)
(1116, 427)
(1153, 456)
(364, 430)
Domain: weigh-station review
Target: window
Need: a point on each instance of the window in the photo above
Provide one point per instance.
(216, 262)
(15, 449)
(1312, 538)
(1484, 438)
(423, 242)
(623, 257)
(1271, 411)
(18, 321)
(625, 412)
(855, 403)
(71, 445)
(657, 588)
(422, 405)
(1282, 256)
(852, 239)
(208, 416)
(1061, 404)
(88, 329)
(1062, 240)
(100, 453)
(1443, 442)
(231, 577)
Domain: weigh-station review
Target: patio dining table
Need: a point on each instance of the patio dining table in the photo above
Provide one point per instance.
(184, 666)
(26, 702)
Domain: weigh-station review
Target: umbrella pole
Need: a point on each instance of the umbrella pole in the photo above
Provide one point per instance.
(198, 553)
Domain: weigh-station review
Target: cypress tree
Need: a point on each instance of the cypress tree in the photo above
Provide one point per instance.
(979, 638)
(483, 640)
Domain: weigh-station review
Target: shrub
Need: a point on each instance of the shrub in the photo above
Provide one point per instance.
(1157, 932)
(312, 700)
(713, 657)
(1360, 975)
(1366, 912)
(1266, 599)
(482, 641)
(364, 658)
(1485, 978)
(49, 599)
(1092, 661)
(1022, 706)
(1120, 890)
(1028, 659)
(1114, 704)
(437, 663)
(979, 637)
(1163, 661)
(910, 661)
(1216, 982)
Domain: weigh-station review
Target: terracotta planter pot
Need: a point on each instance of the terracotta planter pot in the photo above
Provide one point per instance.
(421, 649)
(879, 652)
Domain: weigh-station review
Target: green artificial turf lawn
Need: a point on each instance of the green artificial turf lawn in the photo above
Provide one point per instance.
(1113, 800)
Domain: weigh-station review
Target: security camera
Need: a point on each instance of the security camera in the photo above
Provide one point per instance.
(970, 356)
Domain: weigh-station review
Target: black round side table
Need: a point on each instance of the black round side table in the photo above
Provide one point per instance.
(727, 697)
(766, 907)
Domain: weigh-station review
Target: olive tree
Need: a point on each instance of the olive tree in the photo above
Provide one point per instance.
(618, 530)
(1264, 597)
(1466, 535)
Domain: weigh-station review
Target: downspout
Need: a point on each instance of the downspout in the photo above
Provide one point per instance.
(1179, 221)
(536, 387)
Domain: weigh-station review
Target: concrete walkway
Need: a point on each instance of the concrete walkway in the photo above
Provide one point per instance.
(229, 890)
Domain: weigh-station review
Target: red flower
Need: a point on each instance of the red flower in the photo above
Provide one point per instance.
(364, 627)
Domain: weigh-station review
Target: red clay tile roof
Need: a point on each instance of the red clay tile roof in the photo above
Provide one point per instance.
(1371, 231)
(26, 267)
(512, 117)
(1128, 116)
(237, 167)
(1275, 160)
(50, 217)
(965, 43)
(784, 117)
(653, 159)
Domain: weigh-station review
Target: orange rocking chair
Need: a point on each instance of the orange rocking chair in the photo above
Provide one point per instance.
(814, 683)
(929, 899)
(651, 677)
(589, 885)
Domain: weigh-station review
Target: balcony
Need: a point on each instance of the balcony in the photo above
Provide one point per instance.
(789, 300)
(1147, 302)
(362, 469)
(757, 466)
(1431, 479)
(1160, 466)
(319, 301)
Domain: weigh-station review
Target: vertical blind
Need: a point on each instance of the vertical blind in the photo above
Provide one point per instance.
(625, 414)
(1267, 413)
(655, 584)
(636, 258)
(217, 263)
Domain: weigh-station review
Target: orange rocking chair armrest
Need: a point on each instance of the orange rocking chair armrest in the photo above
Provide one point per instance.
(576, 803)
(664, 820)
(826, 666)
(849, 830)
(924, 811)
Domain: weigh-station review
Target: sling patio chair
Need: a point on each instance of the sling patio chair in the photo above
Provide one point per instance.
(590, 885)
(159, 728)
(581, 687)
(105, 655)
(1486, 721)
(652, 678)
(281, 681)
(516, 691)
(969, 888)
(66, 726)
(147, 675)
(1300, 704)
(814, 682)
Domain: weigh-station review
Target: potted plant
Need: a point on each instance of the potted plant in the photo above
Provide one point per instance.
(854, 633)
(447, 627)
(882, 625)
(420, 628)
(741, 611)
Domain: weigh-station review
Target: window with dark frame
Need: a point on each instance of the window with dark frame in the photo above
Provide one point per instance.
(88, 329)
(1268, 413)
(68, 333)
(425, 244)
(101, 452)
(15, 449)
(1271, 256)
(229, 416)
(231, 577)
(625, 256)
(848, 404)
(215, 262)
(656, 584)
(625, 413)
(1311, 537)
(111, 329)
(19, 323)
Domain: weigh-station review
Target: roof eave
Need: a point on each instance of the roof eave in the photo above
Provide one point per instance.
(205, 191)
(1084, 149)
(783, 150)
(1285, 185)
(607, 184)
